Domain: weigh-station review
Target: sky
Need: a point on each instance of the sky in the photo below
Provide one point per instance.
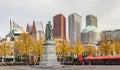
(25, 11)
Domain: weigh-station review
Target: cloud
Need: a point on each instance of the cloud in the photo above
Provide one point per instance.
(25, 11)
(110, 21)
(103, 7)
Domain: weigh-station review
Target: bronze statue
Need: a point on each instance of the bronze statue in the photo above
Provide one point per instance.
(48, 31)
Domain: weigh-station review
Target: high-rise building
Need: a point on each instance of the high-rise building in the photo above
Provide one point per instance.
(74, 27)
(59, 26)
(91, 20)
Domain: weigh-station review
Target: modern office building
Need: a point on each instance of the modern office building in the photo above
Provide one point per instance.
(91, 20)
(116, 34)
(106, 35)
(59, 26)
(90, 34)
(110, 35)
(74, 27)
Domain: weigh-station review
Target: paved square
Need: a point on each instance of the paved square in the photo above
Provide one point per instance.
(74, 67)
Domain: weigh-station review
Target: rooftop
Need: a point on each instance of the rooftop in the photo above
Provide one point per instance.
(90, 28)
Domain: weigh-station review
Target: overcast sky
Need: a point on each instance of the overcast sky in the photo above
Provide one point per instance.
(23, 11)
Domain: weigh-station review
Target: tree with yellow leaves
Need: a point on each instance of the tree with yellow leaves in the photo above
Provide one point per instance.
(58, 49)
(38, 49)
(89, 49)
(5, 50)
(105, 47)
(116, 46)
(24, 45)
(65, 49)
(62, 49)
(78, 49)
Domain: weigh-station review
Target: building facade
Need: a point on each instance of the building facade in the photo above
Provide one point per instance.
(110, 35)
(59, 26)
(91, 20)
(15, 30)
(35, 30)
(90, 35)
(74, 27)
(9, 46)
(106, 35)
(116, 34)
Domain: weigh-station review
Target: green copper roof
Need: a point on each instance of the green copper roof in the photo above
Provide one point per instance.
(15, 30)
(90, 28)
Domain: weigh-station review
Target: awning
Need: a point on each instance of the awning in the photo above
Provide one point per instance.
(117, 56)
(98, 57)
(102, 57)
(107, 57)
(89, 58)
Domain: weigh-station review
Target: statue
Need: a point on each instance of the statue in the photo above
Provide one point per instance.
(48, 31)
(49, 57)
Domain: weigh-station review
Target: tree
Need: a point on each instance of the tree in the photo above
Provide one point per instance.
(90, 50)
(65, 49)
(116, 46)
(24, 45)
(105, 47)
(58, 49)
(38, 49)
(78, 49)
(5, 50)
(62, 49)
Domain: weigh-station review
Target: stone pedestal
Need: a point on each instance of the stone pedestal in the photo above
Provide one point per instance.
(49, 58)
